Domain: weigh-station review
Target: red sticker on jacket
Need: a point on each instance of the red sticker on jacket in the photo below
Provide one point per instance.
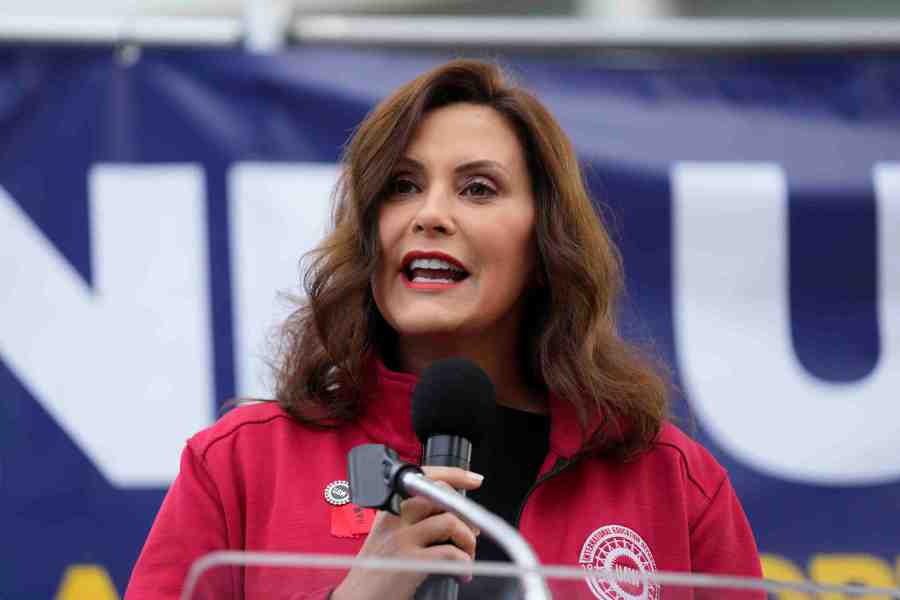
(350, 521)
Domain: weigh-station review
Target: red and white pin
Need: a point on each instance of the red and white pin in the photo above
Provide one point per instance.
(347, 520)
(337, 493)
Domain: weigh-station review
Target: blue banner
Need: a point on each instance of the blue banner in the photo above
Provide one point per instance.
(151, 209)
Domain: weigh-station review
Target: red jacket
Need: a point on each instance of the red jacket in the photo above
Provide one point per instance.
(255, 480)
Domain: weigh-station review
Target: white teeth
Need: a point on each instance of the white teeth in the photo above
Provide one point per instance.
(421, 279)
(432, 263)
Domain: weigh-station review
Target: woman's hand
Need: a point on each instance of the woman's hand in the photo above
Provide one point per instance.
(423, 531)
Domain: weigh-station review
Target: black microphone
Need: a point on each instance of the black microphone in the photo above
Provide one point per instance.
(453, 408)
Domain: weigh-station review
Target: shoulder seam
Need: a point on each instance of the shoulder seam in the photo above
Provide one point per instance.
(687, 468)
(202, 467)
(234, 429)
(709, 504)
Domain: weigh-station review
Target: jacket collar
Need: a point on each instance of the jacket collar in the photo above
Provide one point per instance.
(386, 418)
(387, 402)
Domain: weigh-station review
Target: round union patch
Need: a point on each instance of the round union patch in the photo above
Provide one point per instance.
(337, 492)
(621, 551)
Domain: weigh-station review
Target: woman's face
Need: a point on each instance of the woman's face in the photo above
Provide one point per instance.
(456, 230)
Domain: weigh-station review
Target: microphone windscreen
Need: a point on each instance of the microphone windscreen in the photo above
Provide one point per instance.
(454, 396)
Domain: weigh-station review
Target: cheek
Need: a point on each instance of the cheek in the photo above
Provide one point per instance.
(381, 296)
(389, 234)
(381, 283)
(512, 252)
(392, 223)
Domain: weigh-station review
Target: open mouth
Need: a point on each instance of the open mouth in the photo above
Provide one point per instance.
(433, 270)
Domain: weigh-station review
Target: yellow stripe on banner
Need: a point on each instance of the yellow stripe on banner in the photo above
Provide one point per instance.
(844, 569)
(779, 568)
(80, 582)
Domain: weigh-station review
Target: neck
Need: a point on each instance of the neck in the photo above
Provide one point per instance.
(501, 364)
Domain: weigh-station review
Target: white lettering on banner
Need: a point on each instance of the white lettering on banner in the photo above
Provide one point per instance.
(732, 332)
(124, 367)
(277, 213)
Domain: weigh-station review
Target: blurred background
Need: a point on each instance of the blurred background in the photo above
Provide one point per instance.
(164, 164)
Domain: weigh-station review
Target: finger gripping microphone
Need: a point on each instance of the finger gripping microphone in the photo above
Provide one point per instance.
(453, 408)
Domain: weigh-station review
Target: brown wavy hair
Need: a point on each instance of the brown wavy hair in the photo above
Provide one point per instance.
(571, 344)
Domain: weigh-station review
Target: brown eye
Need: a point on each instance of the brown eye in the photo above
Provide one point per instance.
(478, 189)
(402, 186)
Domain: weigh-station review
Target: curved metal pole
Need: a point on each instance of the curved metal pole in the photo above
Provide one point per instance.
(688, 581)
(506, 536)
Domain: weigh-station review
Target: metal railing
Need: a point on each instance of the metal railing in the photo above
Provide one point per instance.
(555, 33)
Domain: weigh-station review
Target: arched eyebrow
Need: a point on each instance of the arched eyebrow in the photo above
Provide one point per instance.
(466, 167)
(480, 165)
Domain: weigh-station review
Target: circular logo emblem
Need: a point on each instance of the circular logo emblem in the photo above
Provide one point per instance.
(620, 551)
(338, 492)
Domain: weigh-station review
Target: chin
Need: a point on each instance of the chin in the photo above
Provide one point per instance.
(426, 329)
(432, 325)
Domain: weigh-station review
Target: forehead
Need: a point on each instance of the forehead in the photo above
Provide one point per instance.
(466, 132)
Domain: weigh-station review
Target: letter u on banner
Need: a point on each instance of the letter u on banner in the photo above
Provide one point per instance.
(732, 332)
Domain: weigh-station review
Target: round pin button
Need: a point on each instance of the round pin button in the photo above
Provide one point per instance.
(337, 492)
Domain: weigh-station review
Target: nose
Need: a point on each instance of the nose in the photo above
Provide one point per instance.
(435, 213)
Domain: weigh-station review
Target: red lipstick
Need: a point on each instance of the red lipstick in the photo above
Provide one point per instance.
(430, 285)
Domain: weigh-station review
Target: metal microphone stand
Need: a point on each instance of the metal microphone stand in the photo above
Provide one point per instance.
(379, 479)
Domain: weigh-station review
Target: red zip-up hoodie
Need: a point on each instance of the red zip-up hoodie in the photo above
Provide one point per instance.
(255, 480)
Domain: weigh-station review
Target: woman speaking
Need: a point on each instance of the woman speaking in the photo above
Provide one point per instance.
(461, 228)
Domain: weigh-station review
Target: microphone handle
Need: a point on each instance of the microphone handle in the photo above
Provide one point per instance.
(444, 451)
(447, 451)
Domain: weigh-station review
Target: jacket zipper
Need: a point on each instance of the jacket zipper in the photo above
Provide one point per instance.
(559, 466)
